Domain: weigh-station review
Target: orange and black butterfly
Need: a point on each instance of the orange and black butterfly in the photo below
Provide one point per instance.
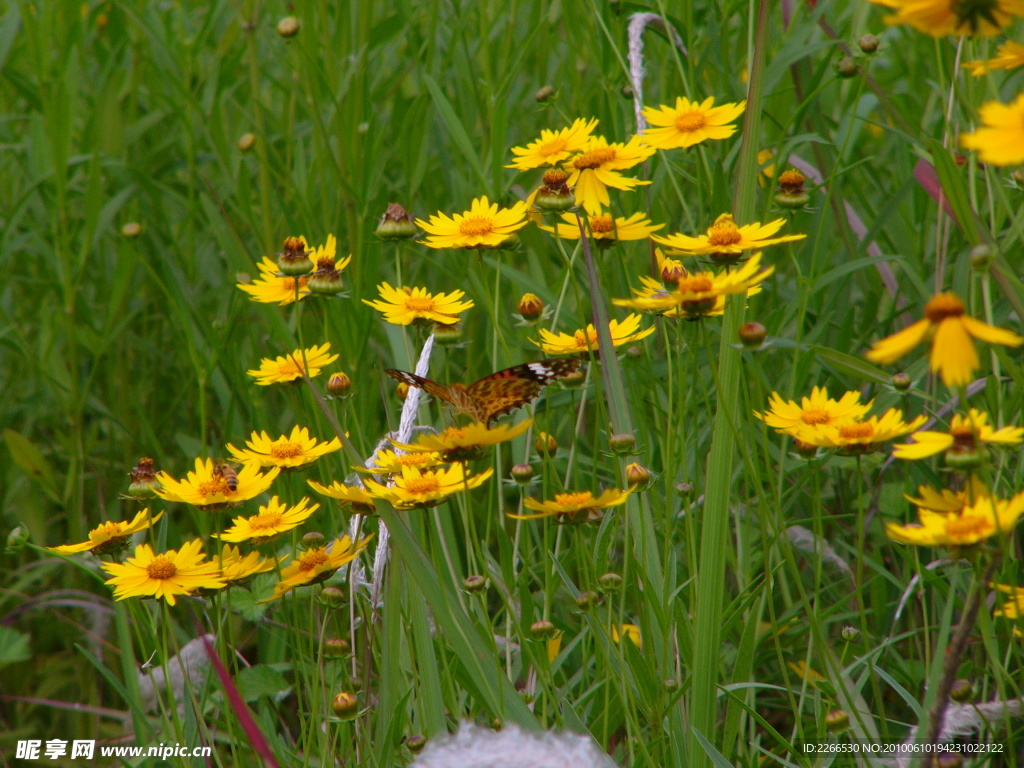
(497, 394)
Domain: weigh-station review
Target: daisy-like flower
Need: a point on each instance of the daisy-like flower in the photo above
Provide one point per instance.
(629, 631)
(390, 463)
(401, 306)
(553, 146)
(725, 242)
(109, 537)
(582, 342)
(289, 368)
(690, 123)
(484, 225)
(939, 18)
(946, 501)
(597, 167)
(964, 436)
(235, 569)
(316, 565)
(1001, 140)
(950, 331)
(698, 294)
(207, 488)
(574, 506)
(167, 575)
(855, 436)
(604, 230)
(815, 412)
(1010, 55)
(287, 451)
(419, 489)
(463, 443)
(977, 521)
(271, 521)
(271, 287)
(347, 494)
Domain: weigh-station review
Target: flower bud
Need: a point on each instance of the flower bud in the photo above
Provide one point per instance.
(339, 384)
(542, 629)
(868, 43)
(335, 648)
(586, 599)
(847, 67)
(684, 489)
(345, 704)
(806, 450)
(288, 26)
(402, 390)
(752, 335)
(522, 473)
(574, 379)
(544, 94)
(554, 194)
(447, 333)
(131, 230)
(637, 476)
(901, 381)
(982, 258)
(246, 142)
(475, 584)
(313, 539)
(837, 720)
(609, 582)
(1018, 176)
(965, 457)
(791, 192)
(326, 282)
(332, 597)
(622, 443)
(416, 743)
(634, 351)
(17, 539)
(670, 684)
(294, 259)
(396, 224)
(962, 691)
(545, 443)
(528, 697)
(530, 307)
(144, 484)
(850, 634)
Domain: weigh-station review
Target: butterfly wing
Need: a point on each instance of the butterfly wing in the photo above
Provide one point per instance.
(455, 395)
(514, 387)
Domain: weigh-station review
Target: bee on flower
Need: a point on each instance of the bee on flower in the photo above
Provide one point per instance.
(208, 489)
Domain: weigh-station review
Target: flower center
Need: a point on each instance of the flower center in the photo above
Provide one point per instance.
(724, 231)
(285, 451)
(963, 439)
(577, 499)
(414, 459)
(690, 121)
(419, 303)
(968, 527)
(594, 158)
(422, 485)
(552, 147)
(265, 520)
(815, 417)
(212, 487)
(942, 307)
(602, 224)
(582, 339)
(311, 559)
(857, 431)
(161, 568)
(696, 284)
(105, 531)
(972, 12)
(476, 226)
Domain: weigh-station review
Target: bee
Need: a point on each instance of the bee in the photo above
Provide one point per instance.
(226, 469)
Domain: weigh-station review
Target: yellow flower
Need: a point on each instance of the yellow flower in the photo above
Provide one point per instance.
(391, 463)
(596, 168)
(963, 437)
(463, 443)
(690, 123)
(274, 288)
(171, 573)
(553, 146)
(1009, 56)
(950, 331)
(854, 436)
(631, 632)
(698, 294)
(283, 369)
(287, 451)
(574, 506)
(946, 501)
(1001, 141)
(766, 162)
(814, 412)
(581, 342)
(939, 18)
(1014, 607)
(484, 225)
(417, 488)
(724, 238)
(317, 565)
(273, 519)
(977, 521)
(605, 230)
(235, 569)
(403, 306)
(347, 494)
(207, 489)
(109, 537)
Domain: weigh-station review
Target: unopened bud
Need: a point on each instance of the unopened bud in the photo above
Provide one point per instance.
(847, 67)
(246, 142)
(868, 43)
(637, 476)
(345, 704)
(339, 384)
(670, 684)
(837, 720)
(622, 443)
(396, 224)
(445, 333)
(131, 230)
(522, 473)
(402, 390)
(545, 443)
(475, 584)
(850, 634)
(901, 381)
(542, 629)
(335, 647)
(962, 691)
(752, 335)
(288, 26)
(574, 379)
(982, 257)
(333, 597)
(544, 94)
(609, 582)
(585, 600)
(684, 489)
(17, 539)
(416, 743)
(530, 307)
(313, 539)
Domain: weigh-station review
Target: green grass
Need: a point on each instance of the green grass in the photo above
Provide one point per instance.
(115, 346)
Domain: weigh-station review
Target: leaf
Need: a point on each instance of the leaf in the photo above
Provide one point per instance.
(14, 646)
(31, 460)
(852, 365)
(261, 680)
(455, 127)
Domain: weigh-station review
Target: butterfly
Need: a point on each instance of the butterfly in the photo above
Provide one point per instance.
(497, 394)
